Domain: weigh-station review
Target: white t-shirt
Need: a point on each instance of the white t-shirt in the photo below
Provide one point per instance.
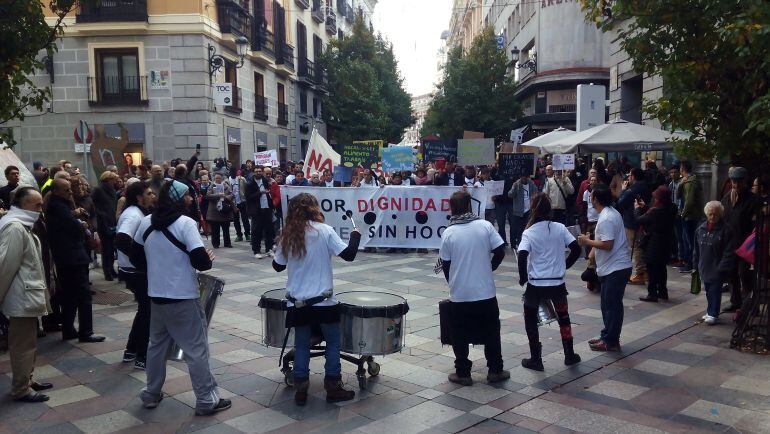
(610, 227)
(329, 183)
(311, 275)
(545, 241)
(468, 246)
(373, 183)
(525, 194)
(591, 213)
(289, 179)
(169, 272)
(129, 220)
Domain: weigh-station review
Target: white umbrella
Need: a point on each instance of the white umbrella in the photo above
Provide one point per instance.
(539, 141)
(614, 136)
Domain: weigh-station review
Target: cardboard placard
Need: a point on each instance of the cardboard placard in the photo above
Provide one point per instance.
(494, 188)
(437, 149)
(473, 135)
(108, 151)
(364, 155)
(343, 174)
(266, 158)
(516, 165)
(475, 152)
(563, 161)
(397, 158)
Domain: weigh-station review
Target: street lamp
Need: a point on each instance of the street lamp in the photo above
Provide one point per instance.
(531, 63)
(216, 61)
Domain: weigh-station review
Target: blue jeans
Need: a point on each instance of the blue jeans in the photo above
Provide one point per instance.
(517, 228)
(679, 234)
(331, 334)
(613, 286)
(713, 298)
(689, 241)
(503, 212)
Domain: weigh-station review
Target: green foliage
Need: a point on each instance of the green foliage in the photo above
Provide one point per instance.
(24, 34)
(713, 58)
(475, 93)
(366, 100)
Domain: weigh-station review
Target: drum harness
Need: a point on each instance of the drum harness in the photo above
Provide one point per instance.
(300, 304)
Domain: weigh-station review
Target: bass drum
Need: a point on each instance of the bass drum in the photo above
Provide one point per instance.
(274, 310)
(372, 323)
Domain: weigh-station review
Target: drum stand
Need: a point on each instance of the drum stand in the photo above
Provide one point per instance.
(318, 350)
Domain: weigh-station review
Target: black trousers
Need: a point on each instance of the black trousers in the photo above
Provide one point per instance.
(741, 281)
(139, 336)
(215, 228)
(76, 300)
(262, 229)
(242, 216)
(471, 320)
(108, 253)
(656, 279)
(532, 298)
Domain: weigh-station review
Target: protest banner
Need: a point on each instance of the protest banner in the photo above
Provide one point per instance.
(494, 188)
(365, 155)
(516, 165)
(476, 152)
(108, 151)
(320, 156)
(393, 216)
(563, 161)
(266, 158)
(9, 158)
(342, 174)
(436, 149)
(397, 158)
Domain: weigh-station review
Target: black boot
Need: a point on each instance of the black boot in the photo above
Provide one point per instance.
(570, 358)
(536, 361)
(663, 294)
(652, 296)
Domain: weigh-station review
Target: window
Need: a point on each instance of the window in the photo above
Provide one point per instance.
(316, 107)
(231, 76)
(117, 78)
(303, 101)
(260, 102)
(283, 109)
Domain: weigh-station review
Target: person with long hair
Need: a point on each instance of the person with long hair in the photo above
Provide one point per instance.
(170, 248)
(306, 246)
(543, 269)
(658, 221)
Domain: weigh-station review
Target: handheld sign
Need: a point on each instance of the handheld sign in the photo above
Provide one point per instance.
(397, 158)
(563, 162)
(516, 165)
(438, 149)
(364, 155)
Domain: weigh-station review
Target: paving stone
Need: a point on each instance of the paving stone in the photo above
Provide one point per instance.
(107, 423)
(714, 412)
(661, 368)
(237, 356)
(69, 395)
(261, 421)
(480, 393)
(750, 385)
(618, 389)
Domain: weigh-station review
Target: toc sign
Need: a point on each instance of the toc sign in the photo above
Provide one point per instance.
(223, 93)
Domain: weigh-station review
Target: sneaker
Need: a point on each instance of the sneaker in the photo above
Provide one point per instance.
(594, 341)
(710, 320)
(248, 237)
(704, 316)
(140, 363)
(463, 381)
(258, 255)
(153, 404)
(684, 270)
(128, 356)
(271, 254)
(222, 405)
(238, 238)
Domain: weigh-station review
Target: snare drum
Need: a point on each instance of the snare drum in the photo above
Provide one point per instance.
(372, 323)
(274, 308)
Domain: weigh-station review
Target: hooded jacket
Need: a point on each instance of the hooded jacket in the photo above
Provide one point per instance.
(22, 275)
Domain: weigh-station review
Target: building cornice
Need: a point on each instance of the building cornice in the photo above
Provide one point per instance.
(564, 75)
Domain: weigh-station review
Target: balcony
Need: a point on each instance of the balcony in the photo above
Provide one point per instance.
(237, 105)
(112, 11)
(331, 21)
(286, 57)
(304, 4)
(283, 114)
(233, 18)
(260, 107)
(306, 71)
(350, 14)
(262, 40)
(321, 79)
(318, 12)
(117, 90)
(562, 108)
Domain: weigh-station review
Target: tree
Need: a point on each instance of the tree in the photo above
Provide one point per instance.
(24, 34)
(475, 93)
(366, 97)
(713, 58)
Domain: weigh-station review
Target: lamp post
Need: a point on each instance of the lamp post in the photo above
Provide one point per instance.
(216, 61)
(530, 63)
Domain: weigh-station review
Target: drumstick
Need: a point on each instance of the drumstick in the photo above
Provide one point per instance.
(350, 217)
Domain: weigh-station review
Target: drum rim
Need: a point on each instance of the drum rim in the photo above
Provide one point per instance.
(273, 303)
(380, 311)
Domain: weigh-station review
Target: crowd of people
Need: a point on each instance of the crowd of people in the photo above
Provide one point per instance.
(632, 223)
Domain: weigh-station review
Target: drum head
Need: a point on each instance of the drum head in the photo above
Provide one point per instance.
(370, 304)
(273, 299)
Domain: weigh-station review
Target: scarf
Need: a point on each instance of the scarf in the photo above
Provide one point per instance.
(456, 220)
(27, 218)
(421, 180)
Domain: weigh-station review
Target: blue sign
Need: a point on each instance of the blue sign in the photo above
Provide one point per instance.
(343, 174)
(397, 158)
(500, 42)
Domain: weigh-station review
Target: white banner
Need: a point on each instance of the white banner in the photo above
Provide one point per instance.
(392, 216)
(563, 161)
(266, 158)
(494, 188)
(320, 156)
(222, 93)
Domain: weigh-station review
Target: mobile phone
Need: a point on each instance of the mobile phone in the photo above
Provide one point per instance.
(198, 147)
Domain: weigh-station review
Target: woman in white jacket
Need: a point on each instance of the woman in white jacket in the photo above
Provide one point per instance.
(23, 290)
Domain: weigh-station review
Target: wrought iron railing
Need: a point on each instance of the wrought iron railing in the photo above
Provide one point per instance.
(562, 108)
(237, 102)
(261, 39)
(117, 90)
(283, 114)
(331, 21)
(111, 11)
(233, 18)
(260, 107)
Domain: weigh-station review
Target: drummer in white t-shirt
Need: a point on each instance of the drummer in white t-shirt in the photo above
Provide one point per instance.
(466, 246)
(306, 246)
(542, 267)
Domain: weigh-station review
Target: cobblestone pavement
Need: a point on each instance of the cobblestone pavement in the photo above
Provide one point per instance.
(673, 375)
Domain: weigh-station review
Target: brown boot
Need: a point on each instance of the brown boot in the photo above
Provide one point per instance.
(335, 392)
(300, 395)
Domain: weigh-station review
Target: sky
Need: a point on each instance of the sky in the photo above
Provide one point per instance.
(414, 27)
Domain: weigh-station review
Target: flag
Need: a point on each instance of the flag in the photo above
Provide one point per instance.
(320, 156)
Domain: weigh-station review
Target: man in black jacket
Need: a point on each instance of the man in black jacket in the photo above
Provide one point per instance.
(66, 236)
(634, 188)
(106, 202)
(260, 207)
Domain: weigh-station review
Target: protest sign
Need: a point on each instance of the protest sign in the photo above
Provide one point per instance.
(108, 151)
(473, 135)
(475, 152)
(393, 216)
(320, 156)
(266, 158)
(563, 161)
(397, 158)
(494, 188)
(343, 174)
(364, 155)
(516, 165)
(436, 149)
